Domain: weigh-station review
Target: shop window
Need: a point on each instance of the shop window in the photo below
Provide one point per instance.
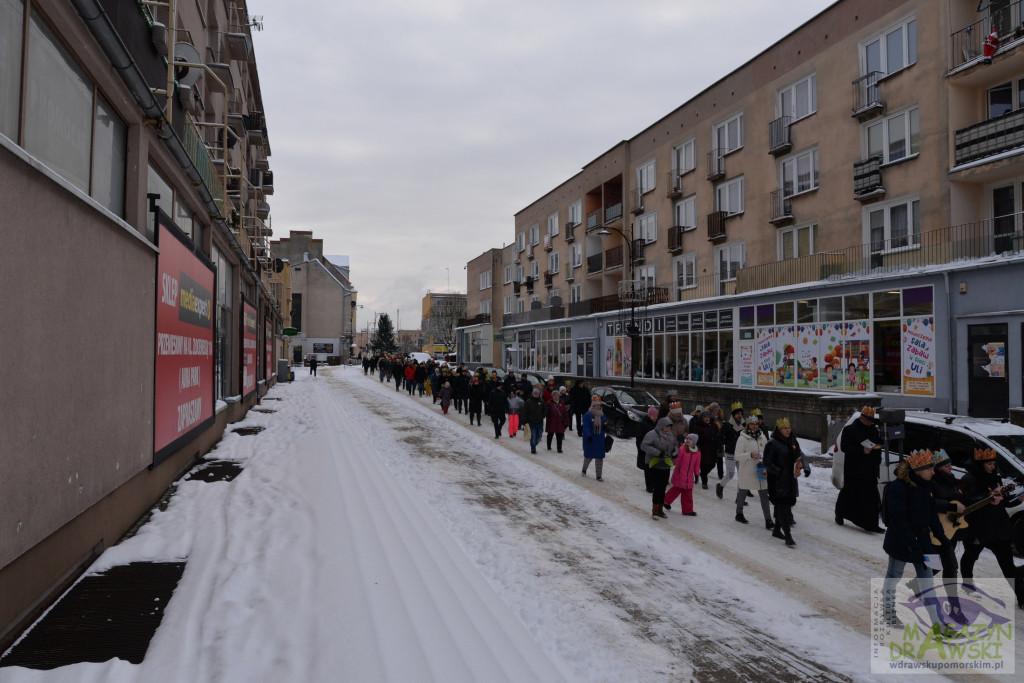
(807, 311)
(831, 309)
(917, 301)
(784, 313)
(888, 349)
(856, 307)
(886, 304)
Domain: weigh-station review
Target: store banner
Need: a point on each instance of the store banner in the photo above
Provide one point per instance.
(919, 356)
(248, 349)
(808, 355)
(184, 393)
(766, 356)
(746, 365)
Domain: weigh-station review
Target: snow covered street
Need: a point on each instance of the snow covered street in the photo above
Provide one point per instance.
(371, 538)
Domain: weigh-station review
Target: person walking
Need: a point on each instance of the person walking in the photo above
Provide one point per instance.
(419, 376)
(497, 406)
(858, 500)
(476, 399)
(716, 419)
(730, 434)
(684, 476)
(748, 454)
(579, 402)
(660, 450)
(783, 461)
(646, 425)
(533, 415)
(556, 420)
(312, 365)
(708, 433)
(948, 496)
(594, 424)
(446, 397)
(515, 412)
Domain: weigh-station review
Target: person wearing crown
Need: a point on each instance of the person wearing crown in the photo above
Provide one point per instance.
(948, 496)
(730, 433)
(859, 501)
(989, 526)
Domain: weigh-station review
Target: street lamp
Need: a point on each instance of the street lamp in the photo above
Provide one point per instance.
(632, 330)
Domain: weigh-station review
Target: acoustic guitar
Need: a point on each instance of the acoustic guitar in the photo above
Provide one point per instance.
(952, 522)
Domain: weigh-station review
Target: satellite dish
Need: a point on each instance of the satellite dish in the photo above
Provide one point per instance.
(186, 52)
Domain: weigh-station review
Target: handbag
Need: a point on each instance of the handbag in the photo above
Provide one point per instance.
(608, 441)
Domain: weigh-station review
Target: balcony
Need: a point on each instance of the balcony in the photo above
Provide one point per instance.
(529, 282)
(638, 250)
(779, 141)
(989, 138)
(781, 208)
(716, 164)
(570, 230)
(674, 184)
(517, 258)
(716, 225)
(594, 220)
(613, 257)
(547, 242)
(867, 179)
(475, 320)
(968, 42)
(595, 263)
(549, 278)
(867, 96)
(636, 204)
(613, 213)
(529, 252)
(675, 238)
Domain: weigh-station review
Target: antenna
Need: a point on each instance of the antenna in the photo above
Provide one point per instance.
(256, 22)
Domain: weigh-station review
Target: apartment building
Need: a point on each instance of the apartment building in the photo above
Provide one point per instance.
(832, 216)
(439, 324)
(135, 224)
(475, 333)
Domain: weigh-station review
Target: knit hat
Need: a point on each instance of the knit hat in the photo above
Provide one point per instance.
(984, 454)
(662, 423)
(736, 407)
(921, 460)
(782, 422)
(704, 413)
(562, 390)
(942, 458)
(652, 412)
(692, 436)
(698, 410)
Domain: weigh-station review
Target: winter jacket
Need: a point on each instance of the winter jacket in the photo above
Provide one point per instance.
(646, 425)
(749, 452)
(497, 403)
(515, 405)
(912, 515)
(579, 398)
(557, 417)
(446, 396)
(680, 425)
(659, 446)
(533, 411)
(708, 443)
(860, 465)
(947, 489)
(687, 468)
(990, 522)
(410, 372)
(419, 375)
(730, 433)
(593, 437)
(780, 456)
(476, 397)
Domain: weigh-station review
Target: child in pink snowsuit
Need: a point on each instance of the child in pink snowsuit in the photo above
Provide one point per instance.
(683, 474)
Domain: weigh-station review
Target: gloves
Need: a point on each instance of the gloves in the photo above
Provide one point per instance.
(807, 472)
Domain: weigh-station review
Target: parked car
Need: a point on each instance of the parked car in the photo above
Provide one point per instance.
(959, 436)
(624, 407)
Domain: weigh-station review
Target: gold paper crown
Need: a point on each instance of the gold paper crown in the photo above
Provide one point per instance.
(736, 406)
(921, 460)
(984, 454)
(756, 412)
(782, 422)
(674, 405)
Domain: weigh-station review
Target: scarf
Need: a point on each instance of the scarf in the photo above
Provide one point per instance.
(598, 413)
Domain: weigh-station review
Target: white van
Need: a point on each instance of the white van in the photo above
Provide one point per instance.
(419, 356)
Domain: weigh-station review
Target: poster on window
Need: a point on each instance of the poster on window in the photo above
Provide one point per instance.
(919, 356)
(857, 356)
(746, 364)
(765, 356)
(268, 340)
(785, 356)
(808, 355)
(248, 349)
(183, 398)
(831, 344)
(996, 365)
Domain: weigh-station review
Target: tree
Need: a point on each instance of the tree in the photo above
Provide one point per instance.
(384, 340)
(444, 317)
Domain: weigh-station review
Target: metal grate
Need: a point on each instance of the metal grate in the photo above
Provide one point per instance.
(113, 614)
(215, 470)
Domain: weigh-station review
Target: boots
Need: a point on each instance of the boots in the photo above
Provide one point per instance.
(769, 524)
(777, 532)
(658, 511)
(740, 518)
(788, 536)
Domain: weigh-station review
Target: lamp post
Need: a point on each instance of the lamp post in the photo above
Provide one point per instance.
(632, 331)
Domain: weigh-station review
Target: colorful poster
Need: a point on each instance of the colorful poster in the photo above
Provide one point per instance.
(808, 355)
(248, 349)
(765, 357)
(627, 356)
(919, 357)
(996, 366)
(268, 339)
(831, 375)
(618, 357)
(746, 365)
(857, 356)
(183, 402)
(785, 356)
(609, 358)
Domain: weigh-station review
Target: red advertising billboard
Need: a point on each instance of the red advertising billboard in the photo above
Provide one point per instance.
(268, 339)
(249, 349)
(184, 397)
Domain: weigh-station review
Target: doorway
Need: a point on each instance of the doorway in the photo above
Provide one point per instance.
(988, 384)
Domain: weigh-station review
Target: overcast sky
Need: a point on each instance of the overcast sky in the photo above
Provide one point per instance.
(408, 133)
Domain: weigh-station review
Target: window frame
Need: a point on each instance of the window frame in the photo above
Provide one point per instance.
(508, 273)
(521, 241)
(485, 277)
(553, 262)
(534, 234)
(724, 126)
(647, 176)
(812, 104)
(725, 185)
(692, 200)
(794, 160)
(687, 259)
(576, 212)
(728, 246)
(910, 114)
(793, 232)
(685, 152)
(647, 227)
(575, 255)
(883, 54)
(575, 293)
(913, 230)
(553, 224)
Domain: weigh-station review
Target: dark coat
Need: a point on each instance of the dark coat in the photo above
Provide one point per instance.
(557, 417)
(729, 435)
(990, 522)
(497, 403)
(780, 456)
(533, 411)
(646, 425)
(946, 488)
(476, 397)
(707, 442)
(579, 398)
(860, 465)
(911, 507)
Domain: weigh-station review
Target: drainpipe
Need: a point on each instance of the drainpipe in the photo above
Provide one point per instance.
(99, 25)
(951, 322)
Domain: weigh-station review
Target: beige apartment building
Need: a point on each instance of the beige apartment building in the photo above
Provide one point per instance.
(858, 184)
(439, 323)
(148, 313)
(477, 343)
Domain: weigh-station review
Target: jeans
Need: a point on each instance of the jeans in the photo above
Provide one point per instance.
(536, 431)
(924, 583)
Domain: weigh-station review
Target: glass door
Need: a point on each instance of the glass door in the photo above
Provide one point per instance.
(988, 384)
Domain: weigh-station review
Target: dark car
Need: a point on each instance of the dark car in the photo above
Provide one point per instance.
(625, 407)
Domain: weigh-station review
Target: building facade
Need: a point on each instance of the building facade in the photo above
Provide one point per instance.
(136, 218)
(439, 324)
(476, 340)
(817, 221)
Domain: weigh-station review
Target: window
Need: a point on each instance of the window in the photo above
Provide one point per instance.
(575, 294)
(534, 298)
(895, 49)
(535, 234)
(520, 273)
(645, 177)
(509, 304)
(485, 307)
(797, 242)
(894, 138)
(521, 241)
(685, 269)
(508, 274)
(729, 196)
(1005, 98)
(645, 274)
(485, 280)
(728, 135)
(553, 262)
(647, 227)
(799, 173)
(553, 294)
(800, 99)
(553, 224)
(520, 305)
(576, 212)
(535, 269)
(683, 157)
(894, 225)
(686, 213)
(728, 261)
(575, 256)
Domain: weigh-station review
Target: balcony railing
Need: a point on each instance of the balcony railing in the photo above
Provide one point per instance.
(613, 213)
(529, 283)
(716, 164)
(638, 250)
(675, 238)
(674, 184)
(781, 207)
(716, 225)
(475, 320)
(593, 220)
(867, 95)
(549, 278)
(636, 203)
(989, 137)
(595, 263)
(867, 178)
(968, 42)
(570, 231)
(779, 141)
(613, 257)
(200, 156)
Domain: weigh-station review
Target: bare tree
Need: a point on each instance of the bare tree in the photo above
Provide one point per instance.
(444, 317)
